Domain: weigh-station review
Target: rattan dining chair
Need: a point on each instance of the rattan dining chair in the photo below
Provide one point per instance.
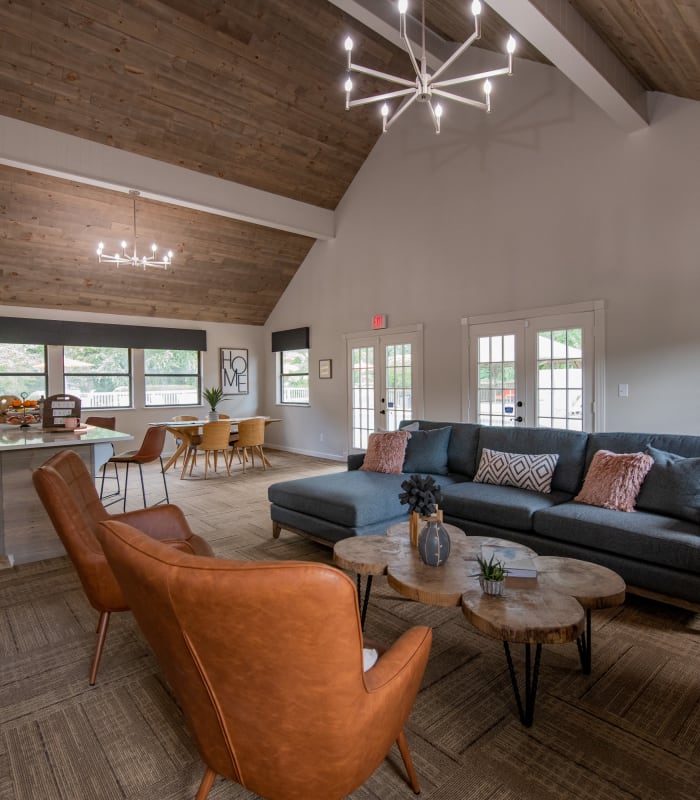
(251, 436)
(215, 436)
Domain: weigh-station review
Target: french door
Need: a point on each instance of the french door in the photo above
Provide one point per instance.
(537, 372)
(385, 382)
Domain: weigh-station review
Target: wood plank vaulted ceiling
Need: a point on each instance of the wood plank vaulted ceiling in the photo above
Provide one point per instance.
(248, 92)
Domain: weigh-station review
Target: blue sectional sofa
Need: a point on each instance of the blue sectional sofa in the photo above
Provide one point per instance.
(656, 548)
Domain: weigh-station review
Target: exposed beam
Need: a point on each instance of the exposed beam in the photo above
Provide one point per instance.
(27, 146)
(561, 34)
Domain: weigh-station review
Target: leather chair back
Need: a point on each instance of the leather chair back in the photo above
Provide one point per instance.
(151, 446)
(108, 423)
(265, 660)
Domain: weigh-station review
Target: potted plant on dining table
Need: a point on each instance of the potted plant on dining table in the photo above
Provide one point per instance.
(213, 397)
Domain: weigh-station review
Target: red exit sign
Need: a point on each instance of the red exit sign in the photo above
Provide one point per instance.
(378, 321)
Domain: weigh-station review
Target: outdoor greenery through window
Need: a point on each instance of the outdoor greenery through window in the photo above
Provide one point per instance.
(172, 377)
(294, 376)
(99, 376)
(23, 369)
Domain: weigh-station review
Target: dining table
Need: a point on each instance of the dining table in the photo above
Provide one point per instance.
(176, 428)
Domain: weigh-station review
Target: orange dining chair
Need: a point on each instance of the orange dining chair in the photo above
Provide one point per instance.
(109, 424)
(151, 450)
(265, 659)
(68, 493)
(251, 436)
(215, 437)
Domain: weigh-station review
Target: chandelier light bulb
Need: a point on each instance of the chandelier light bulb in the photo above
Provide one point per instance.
(348, 44)
(438, 110)
(385, 110)
(476, 8)
(403, 6)
(348, 85)
(510, 47)
(487, 87)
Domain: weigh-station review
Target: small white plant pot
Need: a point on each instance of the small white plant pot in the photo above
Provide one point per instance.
(492, 587)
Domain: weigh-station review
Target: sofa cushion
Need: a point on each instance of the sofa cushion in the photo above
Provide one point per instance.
(532, 472)
(385, 452)
(352, 499)
(613, 480)
(569, 445)
(499, 506)
(672, 486)
(426, 452)
(462, 449)
(642, 536)
(680, 444)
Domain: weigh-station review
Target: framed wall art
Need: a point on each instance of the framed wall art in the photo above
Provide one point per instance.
(325, 368)
(233, 362)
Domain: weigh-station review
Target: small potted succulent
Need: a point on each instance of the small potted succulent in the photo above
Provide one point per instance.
(213, 396)
(492, 575)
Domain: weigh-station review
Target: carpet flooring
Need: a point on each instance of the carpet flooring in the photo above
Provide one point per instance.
(629, 731)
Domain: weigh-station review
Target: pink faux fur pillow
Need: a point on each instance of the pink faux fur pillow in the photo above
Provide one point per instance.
(386, 452)
(613, 480)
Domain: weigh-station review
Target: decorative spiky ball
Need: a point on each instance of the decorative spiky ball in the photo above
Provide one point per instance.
(421, 494)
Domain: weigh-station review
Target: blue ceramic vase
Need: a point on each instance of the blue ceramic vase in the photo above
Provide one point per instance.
(434, 544)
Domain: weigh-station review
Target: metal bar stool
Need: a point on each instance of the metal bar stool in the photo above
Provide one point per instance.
(151, 450)
(108, 423)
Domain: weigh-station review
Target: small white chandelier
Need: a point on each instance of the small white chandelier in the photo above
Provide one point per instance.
(425, 86)
(134, 260)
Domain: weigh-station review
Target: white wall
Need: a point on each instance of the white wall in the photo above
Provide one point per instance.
(542, 203)
(135, 420)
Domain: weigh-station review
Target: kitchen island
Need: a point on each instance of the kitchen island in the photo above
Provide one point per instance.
(26, 532)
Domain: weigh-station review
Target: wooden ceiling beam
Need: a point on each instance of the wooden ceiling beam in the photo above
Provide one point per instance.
(28, 146)
(561, 34)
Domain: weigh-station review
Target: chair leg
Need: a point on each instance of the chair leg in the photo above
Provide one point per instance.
(165, 483)
(126, 484)
(101, 636)
(408, 762)
(206, 784)
(143, 487)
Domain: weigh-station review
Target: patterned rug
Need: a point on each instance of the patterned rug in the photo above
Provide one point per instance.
(630, 730)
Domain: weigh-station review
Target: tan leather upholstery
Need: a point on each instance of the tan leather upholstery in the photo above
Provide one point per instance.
(69, 496)
(265, 660)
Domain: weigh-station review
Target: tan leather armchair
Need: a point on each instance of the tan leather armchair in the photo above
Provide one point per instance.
(265, 660)
(68, 493)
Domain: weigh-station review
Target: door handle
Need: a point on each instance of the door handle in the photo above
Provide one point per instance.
(518, 419)
(382, 411)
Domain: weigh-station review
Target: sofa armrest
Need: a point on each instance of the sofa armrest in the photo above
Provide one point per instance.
(355, 460)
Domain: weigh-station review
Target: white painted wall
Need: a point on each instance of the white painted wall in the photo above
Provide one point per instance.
(135, 420)
(542, 203)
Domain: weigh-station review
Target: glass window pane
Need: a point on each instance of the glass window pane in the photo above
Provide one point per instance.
(99, 376)
(23, 369)
(171, 362)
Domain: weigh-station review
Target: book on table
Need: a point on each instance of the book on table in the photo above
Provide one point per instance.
(516, 562)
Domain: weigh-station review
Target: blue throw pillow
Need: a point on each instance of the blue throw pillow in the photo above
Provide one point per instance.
(672, 486)
(426, 452)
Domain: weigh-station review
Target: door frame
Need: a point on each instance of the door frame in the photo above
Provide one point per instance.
(595, 306)
(376, 336)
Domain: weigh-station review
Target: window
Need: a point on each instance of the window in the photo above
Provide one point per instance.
(23, 369)
(294, 376)
(172, 377)
(99, 376)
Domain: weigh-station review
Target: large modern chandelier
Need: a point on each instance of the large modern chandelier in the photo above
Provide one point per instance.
(426, 87)
(134, 260)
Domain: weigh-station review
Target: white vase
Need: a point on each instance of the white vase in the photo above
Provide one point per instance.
(212, 416)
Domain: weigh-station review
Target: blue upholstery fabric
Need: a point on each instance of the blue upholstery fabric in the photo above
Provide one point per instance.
(687, 446)
(639, 535)
(353, 499)
(672, 486)
(426, 452)
(500, 506)
(462, 449)
(571, 446)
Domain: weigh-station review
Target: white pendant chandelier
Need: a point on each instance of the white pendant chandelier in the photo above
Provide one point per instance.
(426, 87)
(134, 260)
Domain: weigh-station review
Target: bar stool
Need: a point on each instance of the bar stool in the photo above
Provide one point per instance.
(108, 423)
(151, 450)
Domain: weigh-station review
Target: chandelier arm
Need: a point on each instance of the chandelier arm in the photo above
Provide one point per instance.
(376, 98)
(385, 76)
(411, 54)
(436, 119)
(133, 194)
(492, 73)
(457, 53)
(464, 100)
(400, 110)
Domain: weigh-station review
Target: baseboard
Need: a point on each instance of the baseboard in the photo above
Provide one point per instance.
(312, 453)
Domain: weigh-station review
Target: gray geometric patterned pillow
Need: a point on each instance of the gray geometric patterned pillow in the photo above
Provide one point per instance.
(517, 469)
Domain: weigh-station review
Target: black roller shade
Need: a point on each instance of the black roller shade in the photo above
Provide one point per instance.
(20, 330)
(293, 339)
